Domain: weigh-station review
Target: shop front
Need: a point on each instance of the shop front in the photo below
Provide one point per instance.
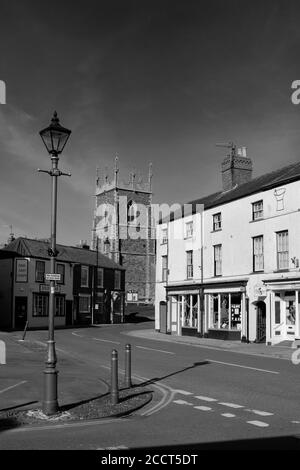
(225, 312)
(184, 311)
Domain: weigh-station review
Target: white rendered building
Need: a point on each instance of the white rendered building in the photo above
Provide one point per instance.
(231, 270)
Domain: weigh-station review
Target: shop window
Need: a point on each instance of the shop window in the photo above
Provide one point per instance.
(225, 311)
(40, 305)
(59, 306)
(235, 305)
(84, 304)
(189, 310)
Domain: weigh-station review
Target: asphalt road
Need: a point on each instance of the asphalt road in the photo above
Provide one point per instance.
(205, 397)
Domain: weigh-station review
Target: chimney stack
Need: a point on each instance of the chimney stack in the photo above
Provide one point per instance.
(236, 168)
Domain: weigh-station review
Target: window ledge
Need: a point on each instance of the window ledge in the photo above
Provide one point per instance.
(286, 270)
(217, 230)
(256, 220)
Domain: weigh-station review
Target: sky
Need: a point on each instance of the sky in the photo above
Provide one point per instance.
(151, 81)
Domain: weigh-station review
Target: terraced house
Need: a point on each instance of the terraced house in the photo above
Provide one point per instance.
(90, 289)
(231, 270)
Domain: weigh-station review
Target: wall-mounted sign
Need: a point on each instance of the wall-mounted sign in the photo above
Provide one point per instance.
(21, 270)
(46, 288)
(53, 277)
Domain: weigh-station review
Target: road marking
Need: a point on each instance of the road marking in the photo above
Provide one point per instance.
(206, 398)
(228, 415)
(260, 424)
(295, 422)
(260, 413)
(183, 392)
(158, 350)
(106, 341)
(76, 334)
(13, 386)
(203, 408)
(243, 367)
(182, 402)
(231, 405)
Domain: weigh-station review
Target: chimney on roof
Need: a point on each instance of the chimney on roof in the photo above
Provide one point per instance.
(83, 244)
(236, 168)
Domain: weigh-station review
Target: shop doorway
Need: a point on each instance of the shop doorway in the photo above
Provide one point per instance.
(20, 312)
(261, 322)
(285, 315)
(69, 312)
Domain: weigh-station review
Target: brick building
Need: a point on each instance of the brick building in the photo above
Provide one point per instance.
(123, 229)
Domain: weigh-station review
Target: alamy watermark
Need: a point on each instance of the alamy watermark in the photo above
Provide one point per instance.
(2, 92)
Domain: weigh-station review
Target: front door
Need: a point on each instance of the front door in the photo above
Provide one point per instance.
(261, 322)
(20, 312)
(285, 315)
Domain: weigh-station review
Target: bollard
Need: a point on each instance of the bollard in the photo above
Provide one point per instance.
(128, 366)
(25, 329)
(114, 392)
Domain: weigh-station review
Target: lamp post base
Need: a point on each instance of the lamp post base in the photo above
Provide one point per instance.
(50, 403)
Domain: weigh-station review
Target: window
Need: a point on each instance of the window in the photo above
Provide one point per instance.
(257, 210)
(59, 306)
(282, 249)
(40, 271)
(84, 304)
(40, 305)
(60, 269)
(117, 279)
(131, 213)
(84, 276)
(217, 260)
(258, 253)
(189, 229)
(164, 236)
(164, 268)
(225, 311)
(99, 307)
(189, 264)
(100, 275)
(217, 221)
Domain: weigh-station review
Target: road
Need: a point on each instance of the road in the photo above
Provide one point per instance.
(205, 397)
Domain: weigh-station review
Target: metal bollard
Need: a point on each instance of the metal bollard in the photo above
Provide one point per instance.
(114, 392)
(128, 366)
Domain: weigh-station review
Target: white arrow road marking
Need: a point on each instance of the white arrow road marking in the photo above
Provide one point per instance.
(243, 367)
(231, 405)
(260, 424)
(158, 350)
(182, 402)
(228, 415)
(13, 386)
(260, 413)
(203, 408)
(205, 398)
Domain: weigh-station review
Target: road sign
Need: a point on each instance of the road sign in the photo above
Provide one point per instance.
(52, 277)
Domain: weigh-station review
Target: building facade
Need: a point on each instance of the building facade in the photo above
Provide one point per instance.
(90, 290)
(230, 268)
(123, 230)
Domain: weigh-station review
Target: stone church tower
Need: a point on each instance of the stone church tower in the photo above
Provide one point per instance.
(123, 229)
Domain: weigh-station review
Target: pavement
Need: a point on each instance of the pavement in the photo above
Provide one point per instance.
(254, 349)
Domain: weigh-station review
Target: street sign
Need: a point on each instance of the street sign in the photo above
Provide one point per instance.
(52, 277)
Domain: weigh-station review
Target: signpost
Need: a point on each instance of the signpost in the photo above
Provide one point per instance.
(52, 277)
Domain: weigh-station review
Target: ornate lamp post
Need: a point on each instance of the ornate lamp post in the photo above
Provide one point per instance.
(55, 138)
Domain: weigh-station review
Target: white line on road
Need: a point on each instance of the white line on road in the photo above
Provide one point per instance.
(203, 408)
(13, 386)
(260, 424)
(260, 413)
(231, 405)
(243, 367)
(183, 392)
(206, 398)
(182, 402)
(106, 340)
(76, 334)
(228, 415)
(158, 350)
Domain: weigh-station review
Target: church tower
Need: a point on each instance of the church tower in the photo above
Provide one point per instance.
(124, 230)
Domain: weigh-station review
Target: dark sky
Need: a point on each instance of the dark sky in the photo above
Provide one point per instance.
(159, 81)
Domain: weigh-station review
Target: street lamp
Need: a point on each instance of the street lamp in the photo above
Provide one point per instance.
(55, 138)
